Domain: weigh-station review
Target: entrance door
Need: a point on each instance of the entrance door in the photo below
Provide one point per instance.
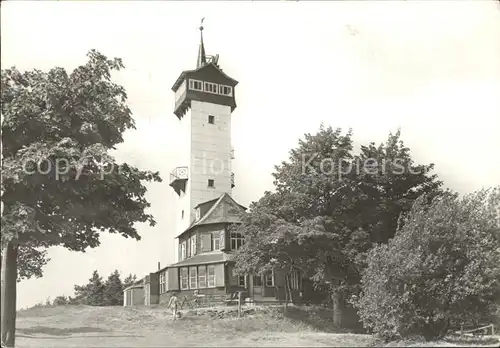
(256, 285)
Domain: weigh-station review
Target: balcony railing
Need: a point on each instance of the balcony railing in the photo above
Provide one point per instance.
(179, 173)
(178, 178)
(232, 180)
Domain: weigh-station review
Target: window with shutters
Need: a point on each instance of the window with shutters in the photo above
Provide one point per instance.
(193, 278)
(241, 281)
(211, 276)
(202, 277)
(183, 274)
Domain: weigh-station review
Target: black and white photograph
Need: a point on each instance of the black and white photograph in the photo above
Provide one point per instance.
(250, 173)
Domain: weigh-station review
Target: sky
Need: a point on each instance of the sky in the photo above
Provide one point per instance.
(430, 67)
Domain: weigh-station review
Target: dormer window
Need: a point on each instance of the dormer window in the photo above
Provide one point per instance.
(198, 214)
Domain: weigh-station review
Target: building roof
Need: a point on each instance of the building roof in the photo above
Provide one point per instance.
(224, 210)
(204, 259)
(133, 286)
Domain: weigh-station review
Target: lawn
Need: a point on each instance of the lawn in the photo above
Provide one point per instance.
(84, 326)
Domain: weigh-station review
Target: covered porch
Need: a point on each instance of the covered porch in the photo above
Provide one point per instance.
(268, 287)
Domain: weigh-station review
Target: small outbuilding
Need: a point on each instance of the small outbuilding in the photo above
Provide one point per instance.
(133, 295)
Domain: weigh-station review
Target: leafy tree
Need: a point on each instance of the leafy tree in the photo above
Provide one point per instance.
(30, 261)
(441, 268)
(286, 228)
(60, 186)
(92, 294)
(113, 290)
(99, 293)
(329, 207)
(129, 280)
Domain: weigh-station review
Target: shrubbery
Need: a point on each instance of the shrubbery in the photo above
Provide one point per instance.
(441, 269)
(98, 292)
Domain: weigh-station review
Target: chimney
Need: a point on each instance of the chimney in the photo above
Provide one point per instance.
(158, 265)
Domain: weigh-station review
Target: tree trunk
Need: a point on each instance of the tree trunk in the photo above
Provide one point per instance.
(8, 294)
(286, 292)
(289, 287)
(337, 308)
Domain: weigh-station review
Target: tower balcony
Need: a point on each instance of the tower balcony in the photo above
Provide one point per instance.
(182, 104)
(178, 179)
(232, 180)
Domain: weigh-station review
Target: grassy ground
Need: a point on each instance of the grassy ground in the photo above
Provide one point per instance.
(83, 326)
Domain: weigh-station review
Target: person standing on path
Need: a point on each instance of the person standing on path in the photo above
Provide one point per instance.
(173, 303)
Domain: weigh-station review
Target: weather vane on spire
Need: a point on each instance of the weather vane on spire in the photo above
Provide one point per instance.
(201, 25)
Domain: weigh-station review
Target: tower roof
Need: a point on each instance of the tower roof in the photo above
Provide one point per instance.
(202, 58)
(203, 62)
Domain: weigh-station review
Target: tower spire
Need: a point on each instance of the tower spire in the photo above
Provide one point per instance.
(202, 58)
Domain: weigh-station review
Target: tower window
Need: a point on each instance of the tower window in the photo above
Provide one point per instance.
(211, 119)
(211, 183)
(226, 90)
(195, 85)
(210, 87)
(182, 214)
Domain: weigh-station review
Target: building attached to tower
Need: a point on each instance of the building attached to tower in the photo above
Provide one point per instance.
(203, 181)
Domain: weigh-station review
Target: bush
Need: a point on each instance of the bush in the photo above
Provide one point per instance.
(441, 268)
(61, 301)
